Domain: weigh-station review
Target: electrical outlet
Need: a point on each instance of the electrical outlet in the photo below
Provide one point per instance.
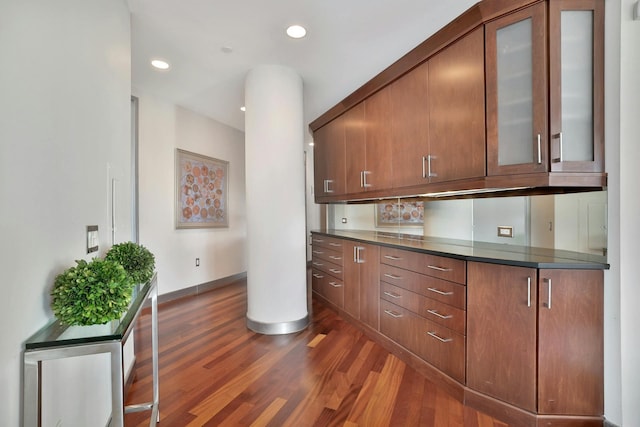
(92, 238)
(197, 262)
(505, 231)
(344, 220)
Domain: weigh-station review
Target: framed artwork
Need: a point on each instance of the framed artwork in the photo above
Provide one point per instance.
(405, 214)
(202, 195)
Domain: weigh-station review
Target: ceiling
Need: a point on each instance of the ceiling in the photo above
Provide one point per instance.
(347, 43)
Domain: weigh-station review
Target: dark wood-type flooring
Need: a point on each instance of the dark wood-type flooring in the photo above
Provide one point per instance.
(215, 372)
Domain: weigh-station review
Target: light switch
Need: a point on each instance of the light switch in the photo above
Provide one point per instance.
(92, 238)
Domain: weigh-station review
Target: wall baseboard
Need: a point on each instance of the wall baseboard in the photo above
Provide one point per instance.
(609, 424)
(198, 289)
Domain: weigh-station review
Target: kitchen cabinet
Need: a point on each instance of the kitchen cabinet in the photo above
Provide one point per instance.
(329, 159)
(457, 111)
(501, 332)
(557, 370)
(410, 127)
(355, 150)
(361, 282)
(520, 97)
(327, 273)
(576, 77)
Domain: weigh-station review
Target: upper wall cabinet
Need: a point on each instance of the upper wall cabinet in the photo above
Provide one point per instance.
(456, 111)
(329, 159)
(519, 139)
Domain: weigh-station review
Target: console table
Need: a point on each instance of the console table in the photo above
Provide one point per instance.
(56, 341)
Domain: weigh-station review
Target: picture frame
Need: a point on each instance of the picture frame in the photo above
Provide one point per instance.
(202, 191)
(399, 213)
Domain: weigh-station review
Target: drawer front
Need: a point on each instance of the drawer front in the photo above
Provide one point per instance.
(328, 286)
(441, 347)
(440, 290)
(395, 323)
(445, 268)
(328, 267)
(327, 242)
(328, 255)
(443, 314)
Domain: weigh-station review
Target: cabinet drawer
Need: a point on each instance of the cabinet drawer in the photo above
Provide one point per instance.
(442, 347)
(441, 290)
(327, 242)
(328, 254)
(328, 286)
(443, 314)
(395, 323)
(445, 268)
(328, 267)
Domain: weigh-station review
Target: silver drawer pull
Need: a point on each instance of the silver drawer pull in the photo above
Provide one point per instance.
(442, 316)
(318, 252)
(334, 271)
(335, 285)
(392, 295)
(434, 335)
(335, 257)
(318, 276)
(392, 276)
(393, 258)
(318, 240)
(439, 292)
(435, 267)
(393, 314)
(339, 245)
(319, 264)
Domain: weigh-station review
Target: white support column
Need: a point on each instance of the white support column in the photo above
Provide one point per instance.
(276, 235)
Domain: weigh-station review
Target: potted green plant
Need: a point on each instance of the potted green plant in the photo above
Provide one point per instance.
(137, 260)
(91, 293)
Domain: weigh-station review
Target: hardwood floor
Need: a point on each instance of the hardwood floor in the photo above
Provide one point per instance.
(215, 372)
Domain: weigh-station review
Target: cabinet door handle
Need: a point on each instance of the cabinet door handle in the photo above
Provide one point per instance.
(439, 292)
(528, 291)
(442, 316)
(560, 147)
(334, 271)
(365, 184)
(435, 267)
(392, 276)
(318, 276)
(335, 257)
(559, 158)
(356, 255)
(392, 295)
(335, 285)
(549, 291)
(393, 258)
(393, 314)
(424, 168)
(434, 335)
(327, 188)
(539, 150)
(430, 172)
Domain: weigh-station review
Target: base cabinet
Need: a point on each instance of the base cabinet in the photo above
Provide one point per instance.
(361, 280)
(557, 370)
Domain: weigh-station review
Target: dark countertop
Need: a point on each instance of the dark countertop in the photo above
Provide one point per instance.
(495, 253)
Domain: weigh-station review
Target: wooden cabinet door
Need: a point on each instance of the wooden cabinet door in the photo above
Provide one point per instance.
(351, 278)
(378, 154)
(410, 127)
(571, 343)
(329, 159)
(355, 148)
(576, 75)
(456, 110)
(501, 332)
(516, 92)
(369, 257)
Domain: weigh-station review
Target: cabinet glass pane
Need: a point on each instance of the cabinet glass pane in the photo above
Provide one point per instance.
(515, 93)
(577, 85)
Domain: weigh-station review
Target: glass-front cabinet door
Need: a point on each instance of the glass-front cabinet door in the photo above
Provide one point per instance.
(516, 92)
(576, 52)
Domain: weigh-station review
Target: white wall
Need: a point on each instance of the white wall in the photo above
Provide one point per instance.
(163, 127)
(64, 123)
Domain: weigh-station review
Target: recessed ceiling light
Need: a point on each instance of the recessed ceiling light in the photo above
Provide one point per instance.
(296, 32)
(243, 108)
(160, 64)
